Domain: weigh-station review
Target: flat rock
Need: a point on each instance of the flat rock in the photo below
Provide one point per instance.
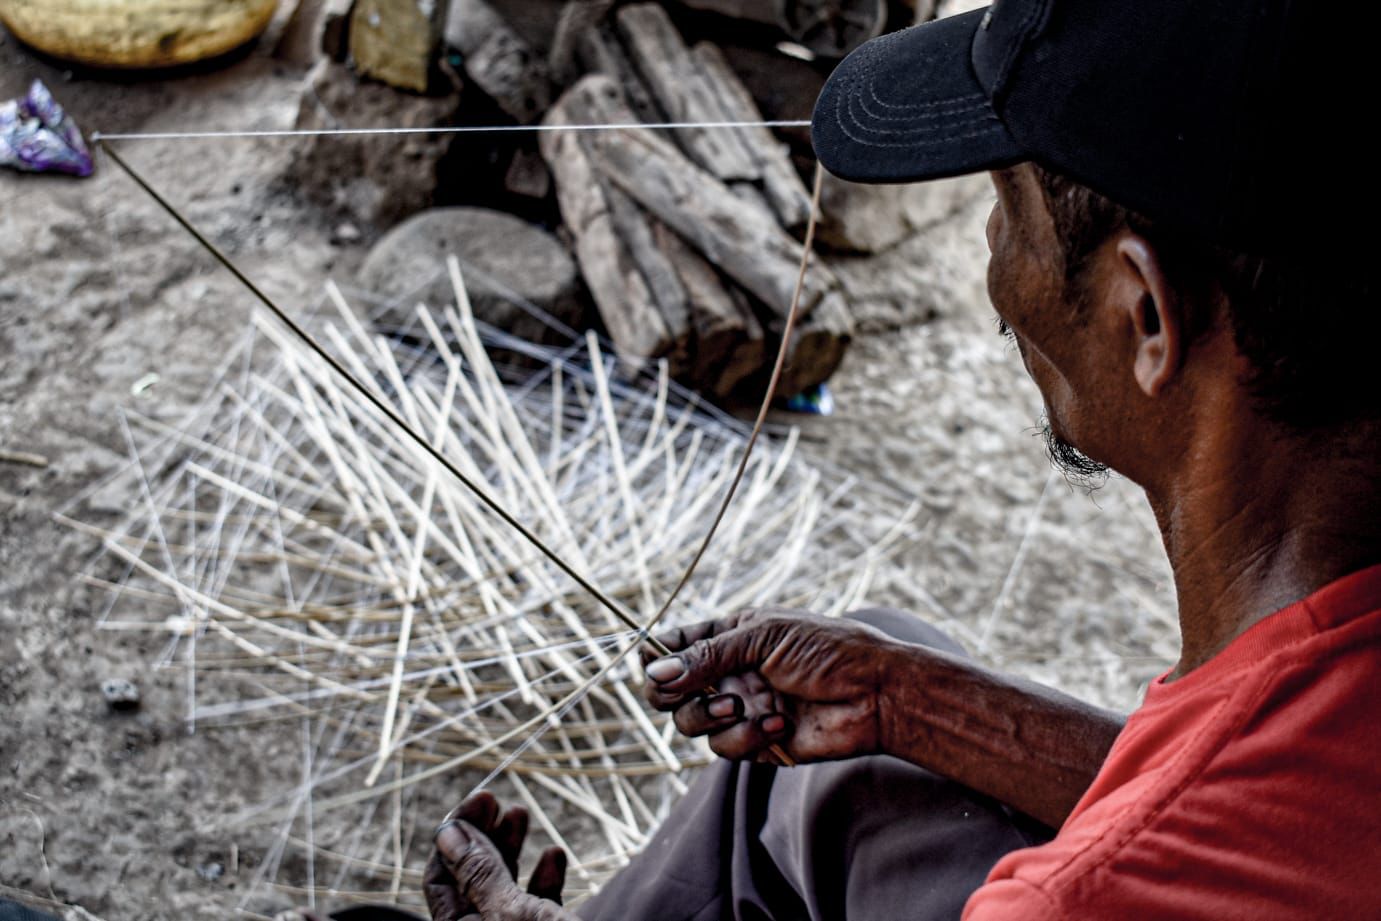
(505, 260)
(136, 33)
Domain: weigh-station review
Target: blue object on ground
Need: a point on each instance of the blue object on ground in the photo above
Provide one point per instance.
(817, 401)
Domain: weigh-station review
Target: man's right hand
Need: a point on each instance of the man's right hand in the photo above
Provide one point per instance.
(825, 689)
(808, 683)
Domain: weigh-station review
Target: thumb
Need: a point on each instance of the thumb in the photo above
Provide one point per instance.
(706, 662)
(475, 864)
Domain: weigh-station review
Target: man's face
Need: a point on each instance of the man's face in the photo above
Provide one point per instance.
(1037, 309)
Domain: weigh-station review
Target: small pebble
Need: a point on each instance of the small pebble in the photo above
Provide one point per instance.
(210, 871)
(346, 233)
(120, 694)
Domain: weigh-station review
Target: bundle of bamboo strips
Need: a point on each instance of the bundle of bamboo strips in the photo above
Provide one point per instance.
(330, 589)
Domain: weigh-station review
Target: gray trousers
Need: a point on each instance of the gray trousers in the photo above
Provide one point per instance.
(867, 838)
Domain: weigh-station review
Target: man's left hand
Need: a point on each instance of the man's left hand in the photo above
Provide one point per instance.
(471, 876)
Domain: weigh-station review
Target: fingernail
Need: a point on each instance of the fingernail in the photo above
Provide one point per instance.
(668, 669)
(451, 839)
(720, 707)
(773, 723)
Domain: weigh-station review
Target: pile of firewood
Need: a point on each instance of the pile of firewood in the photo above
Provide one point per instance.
(685, 237)
(688, 239)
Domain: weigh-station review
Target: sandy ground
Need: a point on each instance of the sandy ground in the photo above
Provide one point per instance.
(98, 290)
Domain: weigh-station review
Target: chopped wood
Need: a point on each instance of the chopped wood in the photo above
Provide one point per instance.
(746, 243)
(601, 53)
(683, 92)
(625, 301)
(578, 18)
(818, 345)
(780, 182)
(729, 343)
(499, 60)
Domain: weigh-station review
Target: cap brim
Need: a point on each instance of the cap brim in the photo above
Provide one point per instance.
(906, 107)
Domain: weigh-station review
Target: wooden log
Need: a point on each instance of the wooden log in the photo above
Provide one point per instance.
(499, 60)
(600, 53)
(745, 243)
(578, 18)
(681, 90)
(751, 354)
(625, 301)
(728, 337)
(780, 182)
(818, 346)
(662, 279)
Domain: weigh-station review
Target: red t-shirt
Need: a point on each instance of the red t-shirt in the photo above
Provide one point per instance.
(1248, 789)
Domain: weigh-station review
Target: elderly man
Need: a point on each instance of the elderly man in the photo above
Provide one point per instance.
(1171, 256)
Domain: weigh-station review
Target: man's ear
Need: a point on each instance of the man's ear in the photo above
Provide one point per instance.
(1153, 313)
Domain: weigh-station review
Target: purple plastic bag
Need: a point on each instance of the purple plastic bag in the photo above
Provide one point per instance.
(36, 136)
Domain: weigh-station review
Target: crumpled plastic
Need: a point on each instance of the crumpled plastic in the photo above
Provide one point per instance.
(36, 136)
(814, 401)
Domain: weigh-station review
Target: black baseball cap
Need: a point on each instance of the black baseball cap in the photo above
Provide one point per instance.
(1243, 123)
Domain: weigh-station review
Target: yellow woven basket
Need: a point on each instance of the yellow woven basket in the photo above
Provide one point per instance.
(136, 33)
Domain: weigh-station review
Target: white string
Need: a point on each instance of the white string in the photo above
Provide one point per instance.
(456, 129)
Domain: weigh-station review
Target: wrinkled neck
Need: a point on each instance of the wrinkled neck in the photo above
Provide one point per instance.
(1258, 518)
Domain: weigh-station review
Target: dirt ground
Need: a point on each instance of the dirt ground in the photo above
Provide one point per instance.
(98, 290)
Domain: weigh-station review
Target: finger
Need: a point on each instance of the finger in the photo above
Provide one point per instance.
(508, 836)
(549, 876)
(475, 865)
(749, 738)
(444, 901)
(706, 715)
(680, 637)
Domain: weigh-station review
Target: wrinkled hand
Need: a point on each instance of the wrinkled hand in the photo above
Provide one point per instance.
(808, 683)
(471, 876)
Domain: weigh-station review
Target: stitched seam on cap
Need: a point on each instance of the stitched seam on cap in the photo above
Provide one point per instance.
(930, 104)
(934, 142)
(980, 105)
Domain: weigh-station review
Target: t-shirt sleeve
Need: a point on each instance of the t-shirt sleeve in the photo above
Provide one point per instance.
(1012, 900)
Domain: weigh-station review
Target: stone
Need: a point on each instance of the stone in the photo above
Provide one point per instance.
(210, 872)
(397, 41)
(499, 61)
(345, 234)
(870, 218)
(505, 261)
(136, 33)
(120, 694)
(371, 180)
